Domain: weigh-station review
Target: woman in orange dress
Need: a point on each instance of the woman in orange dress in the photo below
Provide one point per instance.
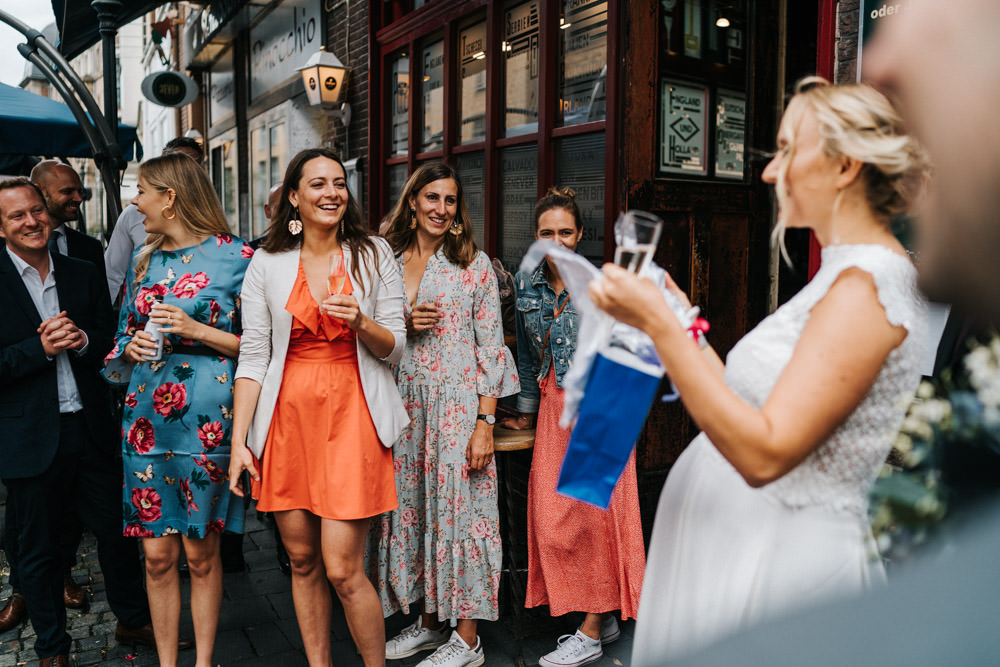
(316, 409)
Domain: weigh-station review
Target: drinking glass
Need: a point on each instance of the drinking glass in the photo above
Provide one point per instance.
(636, 236)
(338, 274)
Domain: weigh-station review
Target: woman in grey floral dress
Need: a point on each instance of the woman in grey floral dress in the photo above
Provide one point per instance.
(442, 545)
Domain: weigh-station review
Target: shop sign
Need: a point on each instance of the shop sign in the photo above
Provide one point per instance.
(282, 43)
(874, 14)
(683, 120)
(222, 89)
(730, 133)
(169, 89)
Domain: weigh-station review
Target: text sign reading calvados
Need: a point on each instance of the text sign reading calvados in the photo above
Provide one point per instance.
(169, 89)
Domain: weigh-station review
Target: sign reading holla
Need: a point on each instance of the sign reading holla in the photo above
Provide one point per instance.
(169, 89)
(683, 119)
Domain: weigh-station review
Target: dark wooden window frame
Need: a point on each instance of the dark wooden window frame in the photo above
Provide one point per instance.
(412, 31)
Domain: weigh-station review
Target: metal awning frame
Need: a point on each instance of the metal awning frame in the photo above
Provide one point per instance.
(102, 139)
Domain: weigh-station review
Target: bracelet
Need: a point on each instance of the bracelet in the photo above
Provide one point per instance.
(699, 327)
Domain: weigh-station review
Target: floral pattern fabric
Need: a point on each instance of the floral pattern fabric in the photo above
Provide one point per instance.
(177, 417)
(442, 545)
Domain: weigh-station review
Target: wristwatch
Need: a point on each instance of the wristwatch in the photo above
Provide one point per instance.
(489, 419)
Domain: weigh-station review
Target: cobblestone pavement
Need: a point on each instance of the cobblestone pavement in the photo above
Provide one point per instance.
(257, 625)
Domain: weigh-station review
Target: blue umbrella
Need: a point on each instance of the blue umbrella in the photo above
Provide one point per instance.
(34, 125)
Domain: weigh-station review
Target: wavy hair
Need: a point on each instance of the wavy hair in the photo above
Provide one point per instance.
(352, 230)
(461, 249)
(195, 202)
(858, 122)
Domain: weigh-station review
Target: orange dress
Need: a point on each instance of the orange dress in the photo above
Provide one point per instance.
(322, 452)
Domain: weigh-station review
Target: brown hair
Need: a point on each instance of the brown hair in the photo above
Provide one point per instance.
(559, 197)
(461, 249)
(195, 202)
(352, 231)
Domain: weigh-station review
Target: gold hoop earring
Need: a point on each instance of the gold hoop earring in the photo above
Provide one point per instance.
(413, 218)
(295, 225)
(168, 217)
(456, 228)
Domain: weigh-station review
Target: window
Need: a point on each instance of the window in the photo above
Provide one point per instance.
(399, 101)
(702, 119)
(513, 95)
(432, 87)
(520, 49)
(268, 159)
(583, 58)
(472, 83)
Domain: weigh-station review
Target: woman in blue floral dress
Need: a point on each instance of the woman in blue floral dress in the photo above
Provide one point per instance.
(440, 550)
(176, 421)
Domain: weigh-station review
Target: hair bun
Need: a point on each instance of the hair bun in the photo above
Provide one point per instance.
(561, 191)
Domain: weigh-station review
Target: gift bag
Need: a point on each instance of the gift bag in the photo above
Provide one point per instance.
(618, 396)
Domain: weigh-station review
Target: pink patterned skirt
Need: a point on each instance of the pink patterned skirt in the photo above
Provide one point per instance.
(580, 557)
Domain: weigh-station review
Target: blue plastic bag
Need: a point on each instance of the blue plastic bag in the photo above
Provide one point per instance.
(619, 393)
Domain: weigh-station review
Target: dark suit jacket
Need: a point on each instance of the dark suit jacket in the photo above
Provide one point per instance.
(85, 247)
(29, 395)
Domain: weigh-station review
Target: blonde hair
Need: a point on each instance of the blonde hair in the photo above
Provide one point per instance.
(858, 122)
(196, 205)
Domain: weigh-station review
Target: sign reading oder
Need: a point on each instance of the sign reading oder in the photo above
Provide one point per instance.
(169, 89)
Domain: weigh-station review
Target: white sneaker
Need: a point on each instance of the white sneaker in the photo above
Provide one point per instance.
(456, 653)
(610, 632)
(414, 639)
(573, 651)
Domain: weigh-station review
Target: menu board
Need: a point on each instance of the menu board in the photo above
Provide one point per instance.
(683, 120)
(730, 133)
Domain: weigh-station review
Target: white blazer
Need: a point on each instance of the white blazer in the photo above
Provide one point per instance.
(267, 327)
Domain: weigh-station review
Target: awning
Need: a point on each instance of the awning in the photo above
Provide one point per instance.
(77, 22)
(34, 125)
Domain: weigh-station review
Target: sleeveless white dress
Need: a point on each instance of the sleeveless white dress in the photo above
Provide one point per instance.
(724, 555)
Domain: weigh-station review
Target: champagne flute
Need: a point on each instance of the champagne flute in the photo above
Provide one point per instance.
(636, 236)
(338, 274)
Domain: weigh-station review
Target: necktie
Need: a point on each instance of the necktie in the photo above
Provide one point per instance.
(54, 241)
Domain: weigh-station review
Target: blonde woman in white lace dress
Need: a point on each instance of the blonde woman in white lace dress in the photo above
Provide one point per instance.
(766, 509)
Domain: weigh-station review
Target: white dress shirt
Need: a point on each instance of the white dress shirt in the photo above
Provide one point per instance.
(46, 299)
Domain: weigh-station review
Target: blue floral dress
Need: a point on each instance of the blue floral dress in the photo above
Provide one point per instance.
(177, 420)
(442, 545)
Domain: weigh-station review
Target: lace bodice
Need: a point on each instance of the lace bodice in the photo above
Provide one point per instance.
(841, 470)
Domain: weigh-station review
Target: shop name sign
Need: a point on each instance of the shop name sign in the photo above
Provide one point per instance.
(169, 89)
(874, 13)
(282, 43)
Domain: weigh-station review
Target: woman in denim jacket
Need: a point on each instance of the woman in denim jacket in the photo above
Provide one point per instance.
(580, 558)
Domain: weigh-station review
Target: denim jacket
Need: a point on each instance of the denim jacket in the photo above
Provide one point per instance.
(536, 304)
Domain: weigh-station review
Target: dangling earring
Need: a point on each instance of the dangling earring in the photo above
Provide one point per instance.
(413, 218)
(295, 225)
(456, 228)
(168, 217)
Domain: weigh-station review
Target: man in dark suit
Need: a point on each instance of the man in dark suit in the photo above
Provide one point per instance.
(63, 192)
(57, 449)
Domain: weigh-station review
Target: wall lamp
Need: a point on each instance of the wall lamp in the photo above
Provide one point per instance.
(325, 81)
